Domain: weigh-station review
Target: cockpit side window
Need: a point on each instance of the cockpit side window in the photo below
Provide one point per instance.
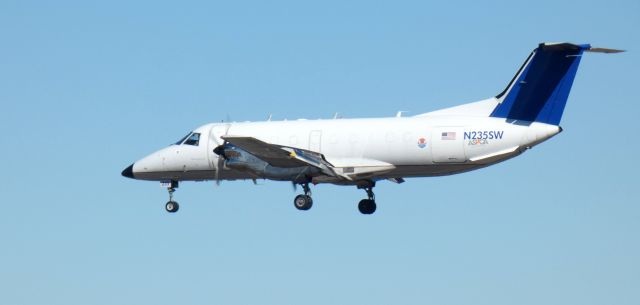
(193, 139)
(183, 138)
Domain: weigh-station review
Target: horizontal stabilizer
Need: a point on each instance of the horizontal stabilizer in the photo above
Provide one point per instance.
(604, 50)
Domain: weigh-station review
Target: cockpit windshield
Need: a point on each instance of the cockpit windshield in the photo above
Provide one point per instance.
(183, 138)
(192, 138)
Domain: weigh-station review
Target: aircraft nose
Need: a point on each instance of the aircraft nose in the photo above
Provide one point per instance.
(128, 172)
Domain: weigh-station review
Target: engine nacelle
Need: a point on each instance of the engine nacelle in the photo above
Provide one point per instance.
(239, 159)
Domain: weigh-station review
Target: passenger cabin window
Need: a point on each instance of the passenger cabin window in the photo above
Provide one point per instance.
(193, 139)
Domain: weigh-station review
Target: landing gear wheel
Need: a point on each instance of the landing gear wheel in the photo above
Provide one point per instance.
(367, 206)
(303, 202)
(171, 206)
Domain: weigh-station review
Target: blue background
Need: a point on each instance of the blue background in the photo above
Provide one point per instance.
(87, 88)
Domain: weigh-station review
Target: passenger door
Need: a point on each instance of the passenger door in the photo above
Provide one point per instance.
(447, 145)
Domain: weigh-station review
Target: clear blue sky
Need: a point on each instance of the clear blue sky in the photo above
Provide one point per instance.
(87, 88)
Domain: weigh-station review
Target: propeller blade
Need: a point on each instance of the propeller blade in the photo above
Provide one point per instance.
(218, 175)
(220, 167)
(220, 152)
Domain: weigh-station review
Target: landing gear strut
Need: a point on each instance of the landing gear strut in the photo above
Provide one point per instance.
(171, 206)
(368, 206)
(304, 202)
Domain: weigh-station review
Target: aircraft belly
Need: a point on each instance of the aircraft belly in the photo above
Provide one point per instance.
(176, 175)
(434, 170)
(431, 170)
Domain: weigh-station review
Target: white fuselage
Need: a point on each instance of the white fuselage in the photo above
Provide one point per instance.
(378, 148)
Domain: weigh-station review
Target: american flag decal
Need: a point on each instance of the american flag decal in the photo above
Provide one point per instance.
(448, 135)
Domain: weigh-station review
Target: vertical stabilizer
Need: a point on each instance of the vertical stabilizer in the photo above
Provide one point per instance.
(539, 91)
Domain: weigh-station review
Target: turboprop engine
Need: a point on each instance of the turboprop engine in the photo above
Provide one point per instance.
(239, 159)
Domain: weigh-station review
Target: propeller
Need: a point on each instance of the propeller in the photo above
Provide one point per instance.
(219, 150)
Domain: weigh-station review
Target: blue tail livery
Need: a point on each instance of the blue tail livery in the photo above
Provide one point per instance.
(539, 91)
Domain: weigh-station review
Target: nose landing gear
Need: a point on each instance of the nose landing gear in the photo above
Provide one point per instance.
(304, 202)
(171, 206)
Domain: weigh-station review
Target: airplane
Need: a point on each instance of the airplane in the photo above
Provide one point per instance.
(362, 152)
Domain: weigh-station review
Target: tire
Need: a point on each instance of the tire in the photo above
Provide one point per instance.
(367, 206)
(171, 206)
(372, 207)
(303, 202)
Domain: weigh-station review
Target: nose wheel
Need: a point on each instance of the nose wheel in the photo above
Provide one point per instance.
(171, 206)
(304, 202)
(368, 206)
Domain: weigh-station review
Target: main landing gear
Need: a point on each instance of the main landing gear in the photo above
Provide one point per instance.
(171, 206)
(368, 206)
(304, 202)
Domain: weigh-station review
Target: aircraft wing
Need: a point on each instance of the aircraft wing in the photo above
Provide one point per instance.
(283, 156)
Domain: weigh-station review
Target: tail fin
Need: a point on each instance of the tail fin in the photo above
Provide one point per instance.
(539, 91)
